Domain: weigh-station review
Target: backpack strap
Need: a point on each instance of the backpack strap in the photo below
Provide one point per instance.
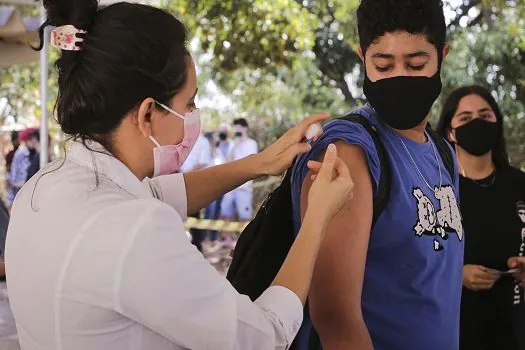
(444, 151)
(382, 193)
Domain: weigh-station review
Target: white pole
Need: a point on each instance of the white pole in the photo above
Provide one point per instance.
(44, 68)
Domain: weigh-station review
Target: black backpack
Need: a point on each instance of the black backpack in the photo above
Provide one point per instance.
(264, 244)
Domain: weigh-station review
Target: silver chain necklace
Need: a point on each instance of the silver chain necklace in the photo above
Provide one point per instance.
(415, 164)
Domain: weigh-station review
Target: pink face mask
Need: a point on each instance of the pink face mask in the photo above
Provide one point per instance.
(168, 159)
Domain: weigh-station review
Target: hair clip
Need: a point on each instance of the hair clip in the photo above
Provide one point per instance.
(66, 38)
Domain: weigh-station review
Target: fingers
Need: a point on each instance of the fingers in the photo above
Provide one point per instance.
(486, 278)
(517, 262)
(300, 148)
(299, 131)
(343, 173)
(482, 274)
(314, 165)
(327, 168)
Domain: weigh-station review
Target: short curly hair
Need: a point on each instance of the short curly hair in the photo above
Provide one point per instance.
(375, 18)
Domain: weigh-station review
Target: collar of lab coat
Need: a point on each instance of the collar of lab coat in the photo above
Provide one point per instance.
(98, 159)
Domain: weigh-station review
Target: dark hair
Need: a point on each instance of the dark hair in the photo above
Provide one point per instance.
(375, 18)
(241, 122)
(130, 52)
(500, 156)
(14, 136)
(35, 135)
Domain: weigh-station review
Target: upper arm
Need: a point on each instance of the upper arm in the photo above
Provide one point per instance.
(335, 296)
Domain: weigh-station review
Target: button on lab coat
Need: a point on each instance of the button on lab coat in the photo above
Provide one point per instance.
(98, 260)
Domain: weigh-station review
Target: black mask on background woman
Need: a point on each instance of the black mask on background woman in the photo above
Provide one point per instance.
(478, 136)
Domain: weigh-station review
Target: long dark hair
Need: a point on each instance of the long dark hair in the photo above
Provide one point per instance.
(500, 156)
(130, 52)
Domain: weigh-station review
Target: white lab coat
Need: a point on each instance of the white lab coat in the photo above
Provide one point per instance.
(105, 264)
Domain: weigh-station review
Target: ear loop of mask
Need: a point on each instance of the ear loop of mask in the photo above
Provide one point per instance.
(151, 138)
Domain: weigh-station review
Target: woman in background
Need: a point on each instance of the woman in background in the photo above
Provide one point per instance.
(492, 200)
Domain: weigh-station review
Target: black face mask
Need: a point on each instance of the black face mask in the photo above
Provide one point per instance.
(478, 136)
(32, 151)
(223, 136)
(403, 102)
(238, 134)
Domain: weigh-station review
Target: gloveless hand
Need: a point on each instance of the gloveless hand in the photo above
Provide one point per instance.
(519, 264)
(332, 186)
(476, 278)
(278, 157)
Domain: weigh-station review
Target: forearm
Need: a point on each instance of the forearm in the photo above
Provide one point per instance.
(205, 186)
(296, 272)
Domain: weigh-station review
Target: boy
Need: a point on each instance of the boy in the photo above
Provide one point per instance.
(396, 285)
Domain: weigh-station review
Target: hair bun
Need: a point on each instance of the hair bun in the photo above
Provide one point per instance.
(79, 13)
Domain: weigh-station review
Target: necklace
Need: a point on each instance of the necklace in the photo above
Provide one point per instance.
(481, 183)
(485, 185)
(415, 164)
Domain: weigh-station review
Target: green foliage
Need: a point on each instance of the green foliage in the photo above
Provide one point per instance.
(276, 61)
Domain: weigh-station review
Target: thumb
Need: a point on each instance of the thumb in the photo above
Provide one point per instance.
(329, 160)
(513, 262)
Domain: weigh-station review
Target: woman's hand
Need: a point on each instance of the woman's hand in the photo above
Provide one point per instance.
(332, 187)
(278, 157)
(478, 278)
(518, 263)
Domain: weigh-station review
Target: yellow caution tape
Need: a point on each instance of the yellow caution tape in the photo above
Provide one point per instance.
(215, 225)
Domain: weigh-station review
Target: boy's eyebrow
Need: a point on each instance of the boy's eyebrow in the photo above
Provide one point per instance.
(384, 56)
(417, 54)
(388, 56)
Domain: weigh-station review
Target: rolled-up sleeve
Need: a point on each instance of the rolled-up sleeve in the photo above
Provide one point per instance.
(170, 189)
(165, 284)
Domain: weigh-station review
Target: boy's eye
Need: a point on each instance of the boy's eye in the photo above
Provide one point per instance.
(417, 68)
(383, 69)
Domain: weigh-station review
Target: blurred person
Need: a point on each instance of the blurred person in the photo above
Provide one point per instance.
(225, 143)
(9, 161)
(97, 250)
(237, 204)
(213, 211)
(391, 282)
(492, 204)
(199, 158)
(19, 166)
(9, 156)
(4, 223)
(33, 144)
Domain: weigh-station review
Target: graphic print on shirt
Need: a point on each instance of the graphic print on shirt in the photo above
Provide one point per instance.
(520, 209)
(438, 223)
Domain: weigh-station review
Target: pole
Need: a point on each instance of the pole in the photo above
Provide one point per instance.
(44, 68)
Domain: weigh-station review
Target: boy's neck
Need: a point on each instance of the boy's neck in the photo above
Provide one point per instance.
(416, 134)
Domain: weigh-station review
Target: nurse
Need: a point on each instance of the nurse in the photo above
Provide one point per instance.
(97, 256)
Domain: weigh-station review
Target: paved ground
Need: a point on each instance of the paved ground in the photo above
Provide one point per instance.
(8, 338)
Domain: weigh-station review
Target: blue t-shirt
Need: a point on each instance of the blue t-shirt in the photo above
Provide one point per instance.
(413, 273)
